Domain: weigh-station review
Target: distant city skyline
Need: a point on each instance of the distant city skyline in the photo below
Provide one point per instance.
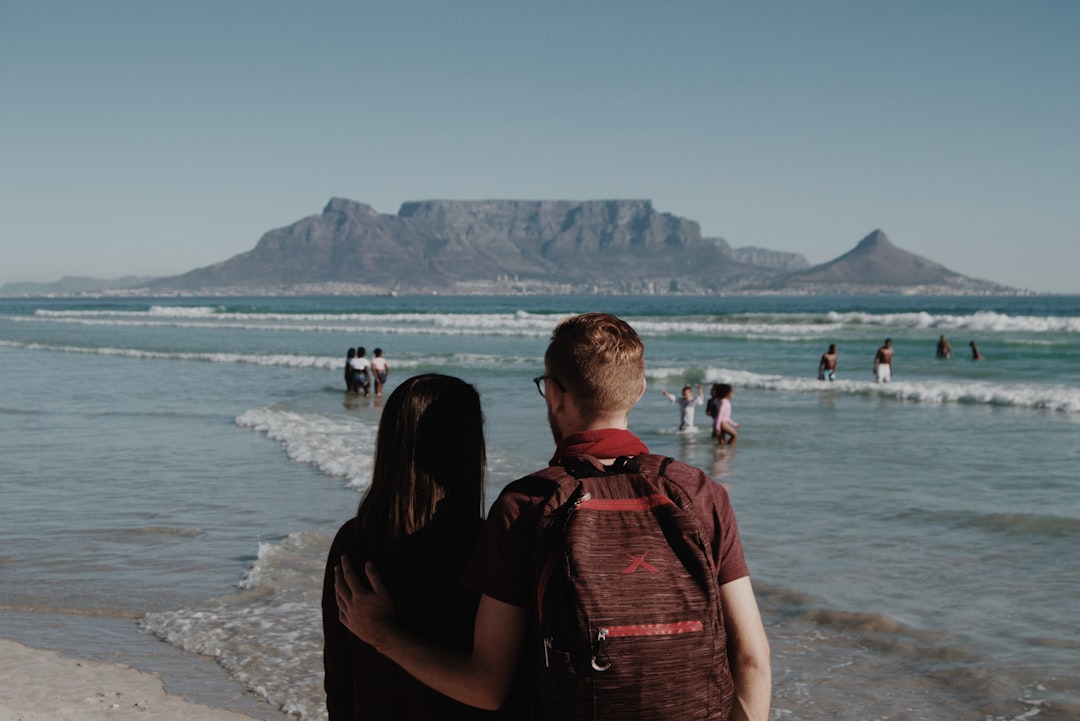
(150, 139)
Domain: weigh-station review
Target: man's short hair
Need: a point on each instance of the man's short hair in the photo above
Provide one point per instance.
(600, 360)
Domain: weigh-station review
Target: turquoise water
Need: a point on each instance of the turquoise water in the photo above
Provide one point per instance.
(174, 468)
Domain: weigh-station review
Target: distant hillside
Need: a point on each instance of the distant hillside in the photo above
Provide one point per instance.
(764, 258)
(73, 284)
(544, 246)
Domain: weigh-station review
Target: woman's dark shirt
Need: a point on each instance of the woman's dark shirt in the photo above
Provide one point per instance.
(422, 573)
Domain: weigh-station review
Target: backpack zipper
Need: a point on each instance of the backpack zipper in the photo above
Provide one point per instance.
(651, 629)
(637, 630)
(542, 585)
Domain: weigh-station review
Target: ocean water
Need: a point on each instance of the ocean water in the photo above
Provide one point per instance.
(173, 470)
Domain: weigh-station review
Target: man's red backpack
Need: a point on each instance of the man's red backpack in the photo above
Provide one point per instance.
(628, 602)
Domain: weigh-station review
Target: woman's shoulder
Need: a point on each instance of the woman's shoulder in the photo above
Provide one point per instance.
(347, 540)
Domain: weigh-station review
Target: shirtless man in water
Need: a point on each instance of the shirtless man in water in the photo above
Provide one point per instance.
(883, 362)
(826, 369)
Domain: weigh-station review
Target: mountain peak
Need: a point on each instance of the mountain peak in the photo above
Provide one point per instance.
(876, 261)
(877, 240)
(348, 207)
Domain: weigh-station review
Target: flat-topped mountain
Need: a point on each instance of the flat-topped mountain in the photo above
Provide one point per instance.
(543, 246)
(441, 244)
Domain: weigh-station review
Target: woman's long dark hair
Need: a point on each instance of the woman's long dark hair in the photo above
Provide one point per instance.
(429, 454)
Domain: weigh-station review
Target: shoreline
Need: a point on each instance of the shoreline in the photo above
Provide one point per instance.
(111, 641)
(45, 685)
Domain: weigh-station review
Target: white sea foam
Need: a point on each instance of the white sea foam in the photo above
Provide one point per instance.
(154, 310)
(783, 328)
(338, 447)
(494, 324)
(269, 635)
(981, 321)
(1058, 398)
(521, 323)
(182, 311)
(217, 324)
(277, 359)
(284, 360)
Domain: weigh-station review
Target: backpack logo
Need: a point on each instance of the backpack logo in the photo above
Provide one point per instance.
(639, 562)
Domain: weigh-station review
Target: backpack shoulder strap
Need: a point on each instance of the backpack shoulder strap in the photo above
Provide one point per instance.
(647, 464)
(568, 481)
(585, 466)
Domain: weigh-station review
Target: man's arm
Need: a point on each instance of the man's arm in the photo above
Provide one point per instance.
(748, 651)
(482, 678)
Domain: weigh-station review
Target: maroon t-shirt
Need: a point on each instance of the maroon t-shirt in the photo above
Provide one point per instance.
(501, 566)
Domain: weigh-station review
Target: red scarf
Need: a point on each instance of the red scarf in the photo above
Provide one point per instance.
(604, 443)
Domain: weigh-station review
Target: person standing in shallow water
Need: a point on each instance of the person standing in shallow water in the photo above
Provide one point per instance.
(418, 523)
(361, 367)
(944, 348)
(723, 425)
(826, 369)
(686, 405)
(380, 369)
(712, 406)
(350, 387)
(883, 362)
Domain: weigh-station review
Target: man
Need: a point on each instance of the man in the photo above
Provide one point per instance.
(826, 369)
(944, 348)
(883, 362)
(594, 374)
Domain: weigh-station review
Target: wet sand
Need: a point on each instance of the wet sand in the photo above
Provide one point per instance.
(38, 685)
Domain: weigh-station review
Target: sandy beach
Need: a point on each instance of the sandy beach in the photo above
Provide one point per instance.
(40, 685)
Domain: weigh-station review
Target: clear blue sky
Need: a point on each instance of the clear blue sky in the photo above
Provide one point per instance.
(150, 138)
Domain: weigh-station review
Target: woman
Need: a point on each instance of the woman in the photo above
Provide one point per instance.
(723, 426)
(712, 406)
(349, 386)
(381, 370)
(418, 522)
